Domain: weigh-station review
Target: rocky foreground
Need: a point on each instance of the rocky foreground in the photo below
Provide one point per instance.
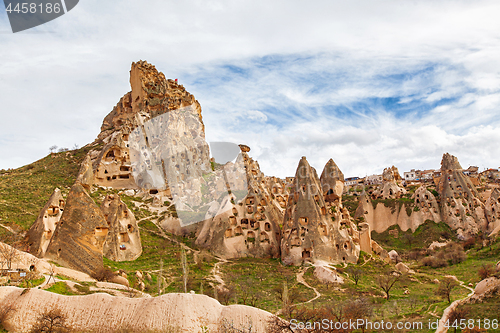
(105, 313)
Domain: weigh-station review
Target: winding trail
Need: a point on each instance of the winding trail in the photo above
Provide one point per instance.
(300, 279)
(441, 328)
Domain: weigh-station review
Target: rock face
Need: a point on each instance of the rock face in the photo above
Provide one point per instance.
(457, 204)
(246, 224)
(78, 240)
(41, 232)
(332, 182)
(123, 241)
(313, 230)
(389, 189)
(105, 313)
(492, 210)
(461, 207)
(152, 95)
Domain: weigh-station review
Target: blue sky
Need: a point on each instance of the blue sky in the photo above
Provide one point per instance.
(369, 84)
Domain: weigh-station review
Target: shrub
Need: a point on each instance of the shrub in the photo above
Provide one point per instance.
(103, 274)
(434, 262)
(485, 271)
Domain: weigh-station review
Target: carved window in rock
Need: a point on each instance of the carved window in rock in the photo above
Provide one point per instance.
(244, 223)
(130, 228)
(123, 237)
(263, 202)
(295, 241)
(229, 233)
(323, 231)
(306, 254)
(153, 191)
(100, 232)
(267, 226)
(303, 220)
(232, 220)
(238, 231)
(235, 211)
(249, 209)
(250, 235)
(323, 210)
(264, 237)
(254, 224)
(53, 211)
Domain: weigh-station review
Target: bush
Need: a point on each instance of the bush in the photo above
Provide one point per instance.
(485, 271)
(434, 262)
(103, 274)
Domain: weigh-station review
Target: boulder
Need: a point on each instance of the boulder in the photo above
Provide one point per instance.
(120, 280)
(393, 255)
(402, 267)
(327, 275)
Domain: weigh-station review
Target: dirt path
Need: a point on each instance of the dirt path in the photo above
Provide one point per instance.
(451, 307)
(300, 279)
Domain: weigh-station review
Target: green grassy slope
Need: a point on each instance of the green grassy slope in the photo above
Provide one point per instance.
(24, 191)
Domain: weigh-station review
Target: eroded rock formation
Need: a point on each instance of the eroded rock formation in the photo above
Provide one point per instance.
(461, 207)
(79, 238)
(492, 210)
(389, 189)
(313, 230)
(123, 241)
(246, 225)
(41, 232)
(455, 202)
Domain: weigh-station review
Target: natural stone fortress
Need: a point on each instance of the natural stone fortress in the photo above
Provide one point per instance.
(298, 219)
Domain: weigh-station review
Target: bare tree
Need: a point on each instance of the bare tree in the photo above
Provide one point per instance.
(52, 271)
(227, 326)
(160, 277)
(53, 320)
(355, 273)
(387, 280)
(185, 268)
(456, 314)
(52, 148)
(225, 294)
(446, 286)
(8, 254)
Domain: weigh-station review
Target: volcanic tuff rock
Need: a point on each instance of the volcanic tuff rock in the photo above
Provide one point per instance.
(332, 181)
(492, 209)
(78, 240)
(152, 95)
(101, 312)
(312, 229)
(248, 226)
(457, 204)
(389, 189)
(461, 207)
(40, 233)
(123, 241)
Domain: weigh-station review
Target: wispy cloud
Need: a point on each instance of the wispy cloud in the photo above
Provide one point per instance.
(369, 84)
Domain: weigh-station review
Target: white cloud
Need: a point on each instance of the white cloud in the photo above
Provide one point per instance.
(312, 75)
